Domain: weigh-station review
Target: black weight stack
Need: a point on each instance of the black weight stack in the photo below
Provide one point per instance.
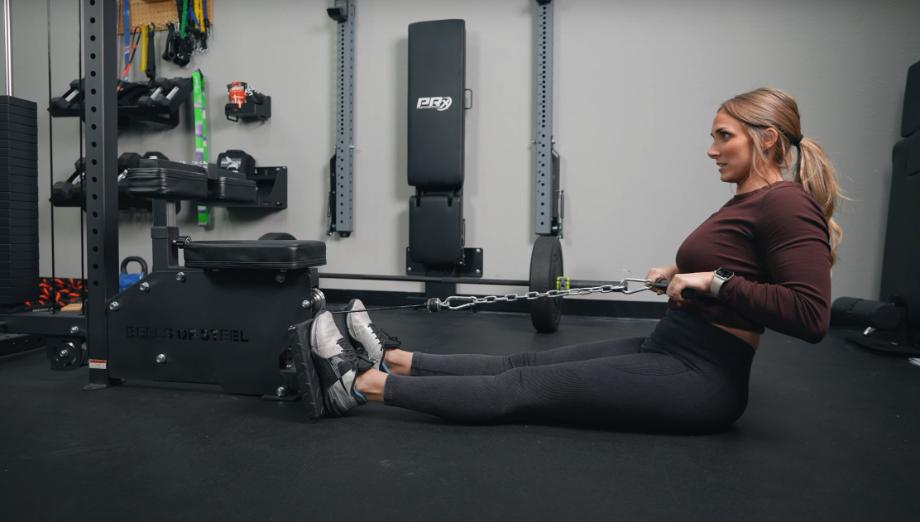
(18, 201)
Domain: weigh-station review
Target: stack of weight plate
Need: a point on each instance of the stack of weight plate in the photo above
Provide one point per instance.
(18, 201)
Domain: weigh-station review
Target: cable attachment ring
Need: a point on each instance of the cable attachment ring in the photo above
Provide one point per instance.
(646, 285)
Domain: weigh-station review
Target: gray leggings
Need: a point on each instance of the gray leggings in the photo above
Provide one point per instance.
(687, 376)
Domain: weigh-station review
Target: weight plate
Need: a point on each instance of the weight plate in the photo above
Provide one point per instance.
(545, 267)
(65, 353)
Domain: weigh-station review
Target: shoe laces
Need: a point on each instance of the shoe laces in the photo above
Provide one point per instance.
(351, 355)
(348, 352)
(384, 339)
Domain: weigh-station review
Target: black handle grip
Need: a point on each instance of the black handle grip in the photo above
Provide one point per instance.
(150, 68)
(136, 259)
(686, 293)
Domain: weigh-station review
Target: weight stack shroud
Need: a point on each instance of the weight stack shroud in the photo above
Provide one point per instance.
(18, 201)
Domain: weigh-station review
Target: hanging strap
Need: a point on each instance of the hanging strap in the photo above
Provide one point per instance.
(169, 52)
(144, 42)
(183, 16)
(126, 30)
(199, 15)
(201, 137)
(206, 25)
(150, 65)
(134, 38)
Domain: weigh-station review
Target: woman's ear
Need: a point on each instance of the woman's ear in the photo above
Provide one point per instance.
(770, 137)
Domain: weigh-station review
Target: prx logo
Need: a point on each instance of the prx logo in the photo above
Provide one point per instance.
(439, 103)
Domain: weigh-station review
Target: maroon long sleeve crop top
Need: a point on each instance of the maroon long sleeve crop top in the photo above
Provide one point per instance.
(775, 240)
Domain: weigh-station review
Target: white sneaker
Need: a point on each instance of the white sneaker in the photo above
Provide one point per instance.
(336, 364)
(367, 337)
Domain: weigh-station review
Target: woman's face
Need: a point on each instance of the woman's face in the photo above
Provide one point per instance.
(731, 149)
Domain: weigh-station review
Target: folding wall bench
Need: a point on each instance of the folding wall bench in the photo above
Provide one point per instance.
(437, 76)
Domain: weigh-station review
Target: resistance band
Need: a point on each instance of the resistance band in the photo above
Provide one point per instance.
(144, 50)
(150, 65)
(183, 16)
(201, 137)
(199, 15)
(134, 38)
(126, 30)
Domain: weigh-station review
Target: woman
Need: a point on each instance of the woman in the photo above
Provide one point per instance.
(762, 260)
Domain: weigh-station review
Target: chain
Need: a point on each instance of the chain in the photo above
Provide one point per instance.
(462, 302)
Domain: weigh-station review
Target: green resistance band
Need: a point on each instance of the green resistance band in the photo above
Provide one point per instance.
(183, 16)
(201, 137)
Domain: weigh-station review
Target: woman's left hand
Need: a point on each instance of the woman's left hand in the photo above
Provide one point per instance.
(698, 281)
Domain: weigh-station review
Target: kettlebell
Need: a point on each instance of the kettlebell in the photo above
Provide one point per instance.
(126, 279)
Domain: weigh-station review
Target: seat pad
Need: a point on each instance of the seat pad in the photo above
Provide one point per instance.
(271, 254)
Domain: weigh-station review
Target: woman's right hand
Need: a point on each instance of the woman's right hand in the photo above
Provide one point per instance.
(661, 272)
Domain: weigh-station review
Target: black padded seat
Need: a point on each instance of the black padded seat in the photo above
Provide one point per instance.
(274, 254)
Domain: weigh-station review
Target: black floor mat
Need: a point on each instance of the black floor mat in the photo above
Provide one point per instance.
(831, 433)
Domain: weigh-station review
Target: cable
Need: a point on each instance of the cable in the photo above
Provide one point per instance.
(54, 285)
(404, 307)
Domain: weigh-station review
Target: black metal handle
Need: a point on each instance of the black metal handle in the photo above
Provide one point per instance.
(686, 293)
(339, 12)
(136, 259)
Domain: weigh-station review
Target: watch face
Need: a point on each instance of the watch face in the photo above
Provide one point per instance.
(725, 274)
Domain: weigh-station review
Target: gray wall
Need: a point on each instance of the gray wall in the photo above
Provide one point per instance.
(637, 84)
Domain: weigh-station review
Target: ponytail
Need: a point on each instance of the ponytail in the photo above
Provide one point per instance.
(766, 108)
(817, 176)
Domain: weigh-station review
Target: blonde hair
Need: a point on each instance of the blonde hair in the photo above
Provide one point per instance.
(768, 108)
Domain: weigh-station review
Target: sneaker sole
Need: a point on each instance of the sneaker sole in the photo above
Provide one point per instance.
(311, 394)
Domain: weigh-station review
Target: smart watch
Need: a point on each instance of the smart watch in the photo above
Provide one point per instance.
(719, 278)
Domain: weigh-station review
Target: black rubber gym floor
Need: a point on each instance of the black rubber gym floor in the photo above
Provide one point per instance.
(831, 433)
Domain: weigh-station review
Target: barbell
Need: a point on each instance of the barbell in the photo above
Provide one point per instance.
(546, 277)
(546, 274)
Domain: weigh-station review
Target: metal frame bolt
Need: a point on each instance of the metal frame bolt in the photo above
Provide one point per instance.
(145, 287)
(180, 276)
(113, 306)
(305, 304)
(281, 391)
(161, 358)
(74, 330)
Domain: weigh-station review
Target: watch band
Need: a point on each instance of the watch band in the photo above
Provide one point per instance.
(718, 280)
